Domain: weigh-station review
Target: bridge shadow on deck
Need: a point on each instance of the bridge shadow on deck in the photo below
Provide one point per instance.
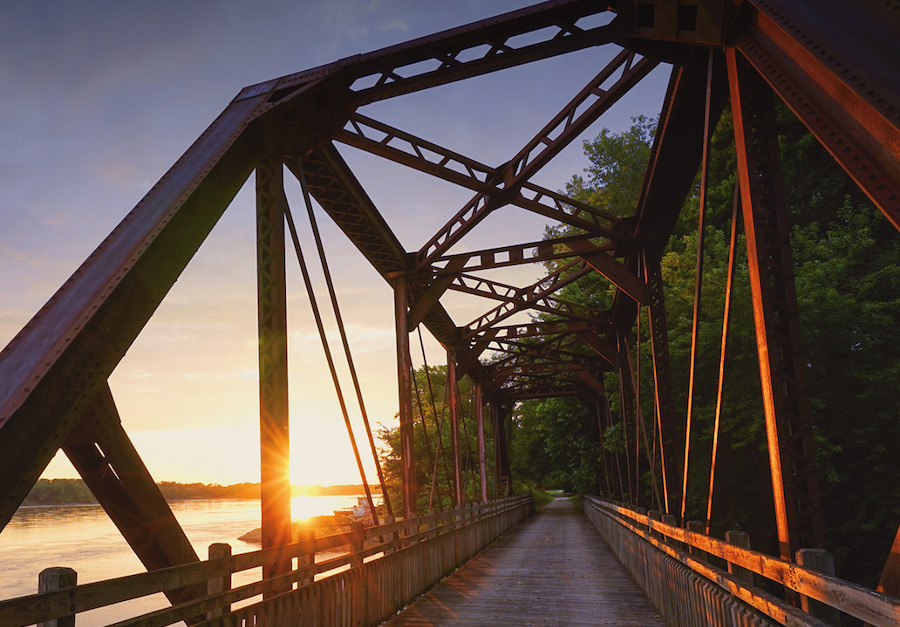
(552, 569)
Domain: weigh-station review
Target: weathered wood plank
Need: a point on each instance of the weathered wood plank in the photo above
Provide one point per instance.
(551, 569)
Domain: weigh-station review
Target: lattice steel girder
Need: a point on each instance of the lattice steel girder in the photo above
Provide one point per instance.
(55, 366)
(435, 59)
(479, 286)
(446, 269)
(674, 161)
(534, 393)
(334, 186)
(782, 367)
(336, 189)
(515, 175)
(274, 457)
(455, 168)
(517, 347)
(545, 328)
(404, 383)
(516, 254)
(835, 66)
(549, 351)
(488, 39)
(662, 380)
(528, 297)
(566, 125)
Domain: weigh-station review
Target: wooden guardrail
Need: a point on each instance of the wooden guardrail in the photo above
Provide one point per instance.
(668, 562)
(404, 558)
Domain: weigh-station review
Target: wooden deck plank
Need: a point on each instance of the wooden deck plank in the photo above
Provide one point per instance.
(553, 569)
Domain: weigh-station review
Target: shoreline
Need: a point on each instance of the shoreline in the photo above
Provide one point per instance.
(58, 492)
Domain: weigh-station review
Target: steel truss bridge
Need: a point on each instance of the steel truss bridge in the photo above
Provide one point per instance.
(834, 65)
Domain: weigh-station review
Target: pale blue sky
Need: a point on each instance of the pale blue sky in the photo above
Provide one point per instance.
(100, 98)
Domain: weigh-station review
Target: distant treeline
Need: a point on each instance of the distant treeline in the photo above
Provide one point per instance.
(72, 491)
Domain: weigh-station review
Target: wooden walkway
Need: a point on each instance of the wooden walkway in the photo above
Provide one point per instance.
(552, 569)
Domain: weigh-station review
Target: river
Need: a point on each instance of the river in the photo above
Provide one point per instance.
(83, 537)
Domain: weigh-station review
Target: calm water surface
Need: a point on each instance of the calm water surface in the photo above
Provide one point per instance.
(83, 537)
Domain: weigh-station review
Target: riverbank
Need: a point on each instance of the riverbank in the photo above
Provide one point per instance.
(76, 492)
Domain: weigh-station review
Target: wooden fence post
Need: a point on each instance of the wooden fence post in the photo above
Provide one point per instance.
(51, 580)
(741, 539)
(219, 584)
(357, 544)
(820, 561)
(307, 558)
(655, 516)
(697, 526)
(669, 519)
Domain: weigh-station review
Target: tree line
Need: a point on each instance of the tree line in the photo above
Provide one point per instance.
(75, 491)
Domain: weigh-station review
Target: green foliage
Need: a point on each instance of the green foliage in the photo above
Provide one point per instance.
(433, 444)
(551, 445)
(616, 171)
(847, 266)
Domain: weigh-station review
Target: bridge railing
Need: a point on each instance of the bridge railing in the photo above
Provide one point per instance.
(671, 564)
(383, 569)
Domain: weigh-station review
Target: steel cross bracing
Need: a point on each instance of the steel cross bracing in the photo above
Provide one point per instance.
(834, 67)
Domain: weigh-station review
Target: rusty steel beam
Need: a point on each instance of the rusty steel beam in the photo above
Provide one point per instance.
(494, 290)
(334, 186)
(837, 71)
(399, 146)
(450, 276)
(619, 275)
(589, 379)
(798, 508)
(515, 254)
(527, 298)
(515, 175)
(479, 436)
(104, 456)
(662, 380)
(545, 328)
(599, 346)
(441, 58)
(444, 57)
(404, 385)
(57, 363)
(453, 395)
(566, 125)
(274, 424)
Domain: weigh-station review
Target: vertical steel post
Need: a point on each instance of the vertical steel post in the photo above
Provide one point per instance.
(601, 428)
(479, 426)
(795, 486)
(275, 490)
(698, 282)
(495, 434)
(504, 410)
(726, 317)
(890, 576)
(626, 401)
(404, 386)
(454, 427)
(662, 377)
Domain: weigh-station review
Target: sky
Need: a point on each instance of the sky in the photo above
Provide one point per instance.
(101, 98)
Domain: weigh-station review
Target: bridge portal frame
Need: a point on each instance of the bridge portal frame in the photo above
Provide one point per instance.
(53, 375)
